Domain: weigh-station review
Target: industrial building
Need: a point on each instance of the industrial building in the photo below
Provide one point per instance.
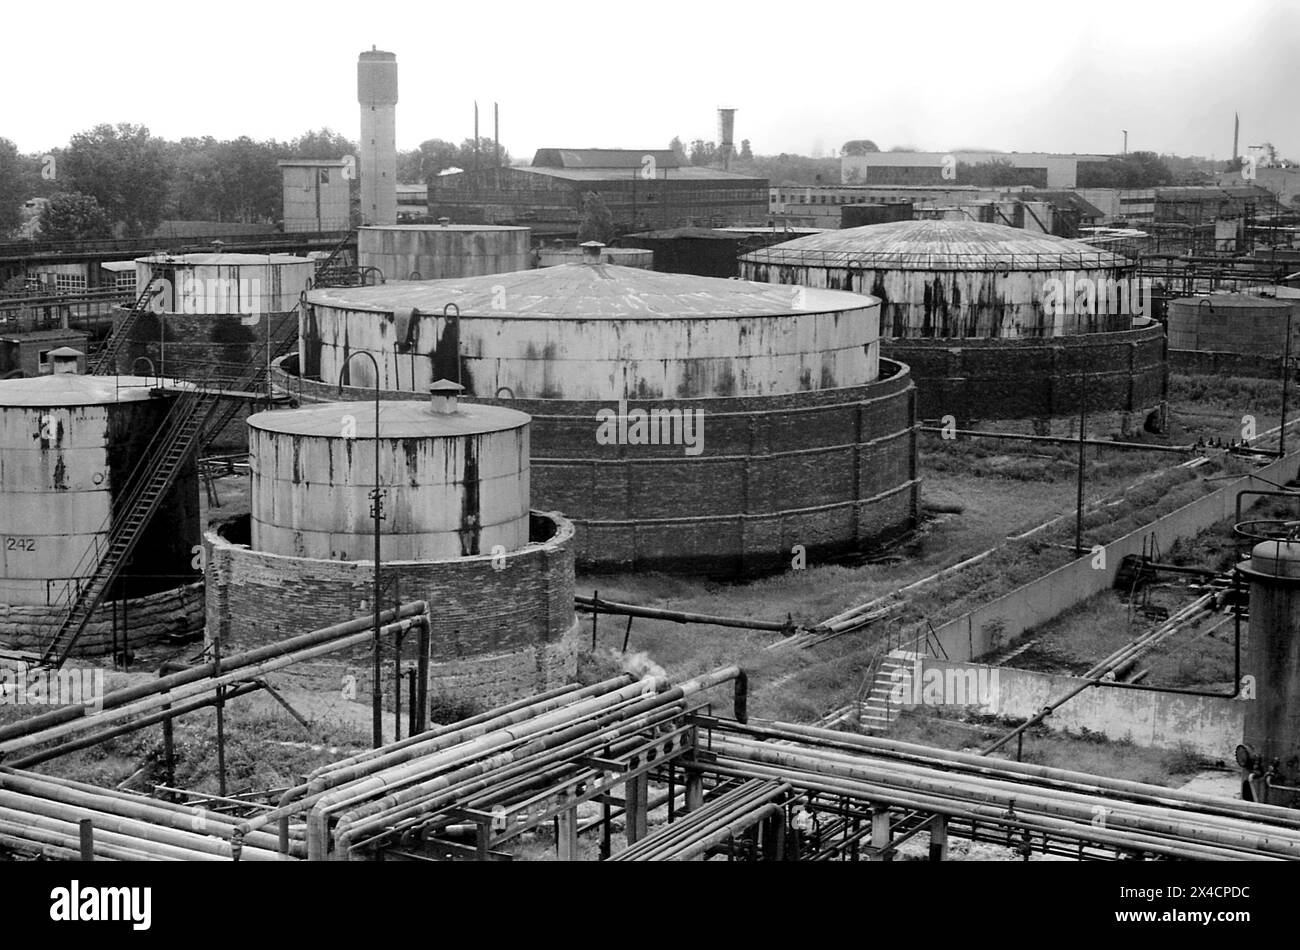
(802, 434)
(1041, 169)
(317, 194)
(967, 306)
(643, 188)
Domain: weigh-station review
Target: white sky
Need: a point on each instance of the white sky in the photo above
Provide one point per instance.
(1037, 75)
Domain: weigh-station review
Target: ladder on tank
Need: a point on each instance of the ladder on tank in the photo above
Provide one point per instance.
(105, 361)
(155, 473)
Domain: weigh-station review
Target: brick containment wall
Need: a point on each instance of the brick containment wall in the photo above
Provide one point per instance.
(501, 629)
(139, 621)
(832, 470)
(1037, 378)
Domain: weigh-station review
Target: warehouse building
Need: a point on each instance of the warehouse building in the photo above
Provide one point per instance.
(643, 188)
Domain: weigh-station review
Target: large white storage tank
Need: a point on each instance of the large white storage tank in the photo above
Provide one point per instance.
(457, 480)
(457, 533)
(437, 251)
(68, 447)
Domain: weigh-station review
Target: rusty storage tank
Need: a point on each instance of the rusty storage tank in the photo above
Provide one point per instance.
(684, 423)
(1271, 735)
(460, 478)
(457, 532)
(623, 256)
(995, 321)
(437, 251)
(222, 314)
(68, 446)
(1241, 334)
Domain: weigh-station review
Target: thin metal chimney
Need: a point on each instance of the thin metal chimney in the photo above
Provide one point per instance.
(444, 397)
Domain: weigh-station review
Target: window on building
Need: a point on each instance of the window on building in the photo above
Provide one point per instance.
(43, 358)
(69, 283)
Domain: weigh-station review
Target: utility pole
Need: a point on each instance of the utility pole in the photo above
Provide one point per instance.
(1083, 421)
(377, 512)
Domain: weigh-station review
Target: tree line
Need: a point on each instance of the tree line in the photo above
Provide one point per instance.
(122, 181)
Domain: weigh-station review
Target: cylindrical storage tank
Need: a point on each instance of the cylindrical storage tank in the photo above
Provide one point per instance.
(68, 447)
(1272, 724)
(957, 279)
(456, 482)
(434, 252)
(623, 256)
(1242, 334)
(457, 533)
(222, 314)
(215, 312)
(683, 423)
(993, 320)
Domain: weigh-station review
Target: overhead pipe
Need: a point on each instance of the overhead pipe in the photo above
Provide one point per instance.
(1024, 771)
(120, 697)
(487, 752)
(195, 687)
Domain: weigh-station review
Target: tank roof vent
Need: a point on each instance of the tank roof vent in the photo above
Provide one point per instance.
(591, 252)
(444, 396)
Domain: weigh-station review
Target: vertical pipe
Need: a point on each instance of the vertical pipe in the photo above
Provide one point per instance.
(221, 719)
(566, 839)
(422, 667)
(1083, 409)
(376, 699)
(87, 828)
(397, 688)
(939, 838)
(634, 808)
(1286, 387)
(413, 688)
(880, 834)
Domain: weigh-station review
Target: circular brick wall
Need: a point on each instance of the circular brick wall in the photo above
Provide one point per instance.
(972, 379)
(832, 470)
(501, 628)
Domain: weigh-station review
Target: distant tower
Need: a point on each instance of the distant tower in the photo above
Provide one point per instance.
(377, 93)
(726, 135)
(1236, 129)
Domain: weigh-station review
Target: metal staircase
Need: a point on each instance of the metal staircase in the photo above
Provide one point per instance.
(167, 453)
(105, 361)
(200, 410)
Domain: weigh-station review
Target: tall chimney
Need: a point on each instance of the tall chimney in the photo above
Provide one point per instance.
(726, 135)
(377, 93)
(1236, 130)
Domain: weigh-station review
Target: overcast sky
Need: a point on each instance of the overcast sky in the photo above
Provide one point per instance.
(938, 74)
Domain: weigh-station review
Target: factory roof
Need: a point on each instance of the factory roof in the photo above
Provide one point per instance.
(604, 157)
(683, 173)
(208, 259)
(404, 419)
(936, 245)
(584, 291)
(71, 389)
(440, 227)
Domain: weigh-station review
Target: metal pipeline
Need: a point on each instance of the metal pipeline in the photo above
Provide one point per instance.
(116, 698)
(970, 811)
(489, 753)
(980, 764)
(194, 688)
(1069, 805)
(155, 811)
